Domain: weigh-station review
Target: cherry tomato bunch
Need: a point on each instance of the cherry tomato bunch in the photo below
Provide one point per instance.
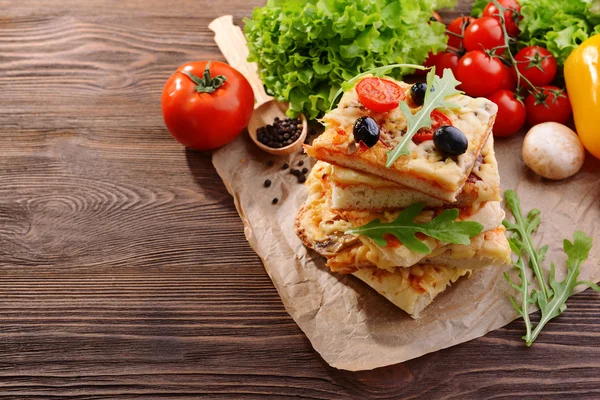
(480, 56)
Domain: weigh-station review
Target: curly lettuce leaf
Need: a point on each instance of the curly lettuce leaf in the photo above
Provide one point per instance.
(559, 26)
(306, 49)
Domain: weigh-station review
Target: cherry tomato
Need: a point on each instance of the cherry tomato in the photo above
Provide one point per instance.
(438, 119)
(206, 120)
(509, 80)
(480, 74)
(551, 104)
(510, 17)
(379, 95)
(456, 29)
(484, 34)
(446, 59)
(536, 64)
(511, 113)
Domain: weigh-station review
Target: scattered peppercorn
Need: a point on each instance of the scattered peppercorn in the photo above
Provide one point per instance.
(281, 133)
(267, 183)
(301, 178)
(285, 166)
(304, 170)
(275, 201)
(300, 163)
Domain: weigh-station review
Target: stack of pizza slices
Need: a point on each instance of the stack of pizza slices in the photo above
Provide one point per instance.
(350, 187)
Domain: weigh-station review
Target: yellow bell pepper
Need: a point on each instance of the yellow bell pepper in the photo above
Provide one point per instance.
(582, 75)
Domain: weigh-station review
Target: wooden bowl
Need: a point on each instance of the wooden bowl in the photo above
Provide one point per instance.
(265, 115)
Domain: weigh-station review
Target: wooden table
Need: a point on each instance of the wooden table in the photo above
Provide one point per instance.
(124, 271)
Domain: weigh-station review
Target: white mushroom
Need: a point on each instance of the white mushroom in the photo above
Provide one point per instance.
(553, 151)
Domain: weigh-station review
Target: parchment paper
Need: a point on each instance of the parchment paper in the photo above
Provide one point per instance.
(348, 323)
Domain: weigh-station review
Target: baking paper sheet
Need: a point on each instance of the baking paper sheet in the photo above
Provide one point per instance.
(352, 326)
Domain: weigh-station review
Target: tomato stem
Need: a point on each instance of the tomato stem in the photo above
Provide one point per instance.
(507, 39)
(206, 84)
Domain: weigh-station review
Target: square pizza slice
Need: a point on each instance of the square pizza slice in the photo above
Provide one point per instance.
(357, 190)
(425, 169)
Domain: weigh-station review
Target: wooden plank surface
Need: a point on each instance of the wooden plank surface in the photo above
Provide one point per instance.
(124, 271)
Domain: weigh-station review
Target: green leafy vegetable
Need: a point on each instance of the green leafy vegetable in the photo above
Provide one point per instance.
(559, 26)
(306, 49)
(435, 98)
(552, 297)
(443, 227)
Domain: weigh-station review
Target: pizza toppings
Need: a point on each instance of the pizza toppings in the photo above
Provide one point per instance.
(379, 95)
(450, 140)
(438, 119)
(366, 130)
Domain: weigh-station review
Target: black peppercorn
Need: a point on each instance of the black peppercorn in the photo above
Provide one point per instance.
(280, 134)
(267, 183)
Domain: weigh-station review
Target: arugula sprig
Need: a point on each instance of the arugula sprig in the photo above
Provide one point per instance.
(443, 227)
(440, 89)
(552, 297)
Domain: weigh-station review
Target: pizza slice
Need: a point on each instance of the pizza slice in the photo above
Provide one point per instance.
(323, 229)
(357, 190)
(411, 289)
(425, 169)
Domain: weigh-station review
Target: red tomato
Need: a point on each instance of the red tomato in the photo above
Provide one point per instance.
(446, 59)
(511, 113)
(456, 29)
(485, 34)
(537, 65)
(430, 61)
(509, 80)
(551, 104)
(379, 95)
(438, 119)
(206, 120)
(510, 18)
(480, 74)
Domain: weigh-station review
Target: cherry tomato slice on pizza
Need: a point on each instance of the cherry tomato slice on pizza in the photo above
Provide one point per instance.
(438, 119)
(379, 95)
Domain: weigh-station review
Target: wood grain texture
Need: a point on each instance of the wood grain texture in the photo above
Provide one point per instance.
(124, 271)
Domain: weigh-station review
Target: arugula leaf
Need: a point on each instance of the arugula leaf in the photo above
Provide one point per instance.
(435, 98)
(523, 309)
(553, 296)
(443, 227)
(577, 252)
(522, 229)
